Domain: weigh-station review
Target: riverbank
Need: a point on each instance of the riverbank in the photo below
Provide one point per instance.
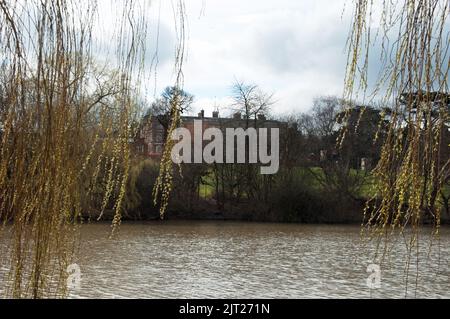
(308, 195)
(207, 210)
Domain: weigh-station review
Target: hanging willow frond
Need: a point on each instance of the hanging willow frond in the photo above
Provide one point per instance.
(65, 125)
(413, 38)
(164, 182)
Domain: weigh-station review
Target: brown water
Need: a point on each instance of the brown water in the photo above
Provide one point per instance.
(248, 260)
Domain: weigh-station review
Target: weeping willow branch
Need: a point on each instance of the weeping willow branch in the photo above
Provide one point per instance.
(164, 183)
(413, 37)
(65, 126)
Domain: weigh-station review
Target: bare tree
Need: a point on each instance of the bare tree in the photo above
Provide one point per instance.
(163, 104)
(250, 100)
(324, 113)
(162, 107)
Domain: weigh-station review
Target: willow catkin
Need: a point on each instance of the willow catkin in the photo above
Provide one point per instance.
(164, 182)
(413, 37)
(65, 125)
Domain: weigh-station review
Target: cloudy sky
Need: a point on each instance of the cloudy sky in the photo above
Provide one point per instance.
(294, 49)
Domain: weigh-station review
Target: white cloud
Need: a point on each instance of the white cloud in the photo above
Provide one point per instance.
(294, 49)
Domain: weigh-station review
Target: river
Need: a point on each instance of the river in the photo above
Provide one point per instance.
(251, 260)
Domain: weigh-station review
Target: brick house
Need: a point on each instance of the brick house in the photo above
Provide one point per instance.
(151, 135)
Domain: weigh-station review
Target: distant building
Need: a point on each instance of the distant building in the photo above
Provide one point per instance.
(365, 164)
(151, 136)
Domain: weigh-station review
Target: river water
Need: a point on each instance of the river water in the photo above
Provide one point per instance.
(251, 260)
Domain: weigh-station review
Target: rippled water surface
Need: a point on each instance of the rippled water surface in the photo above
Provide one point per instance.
(249, 260)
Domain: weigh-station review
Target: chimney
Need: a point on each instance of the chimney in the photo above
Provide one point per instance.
(201, 114)
(215, 114)
(237, 115)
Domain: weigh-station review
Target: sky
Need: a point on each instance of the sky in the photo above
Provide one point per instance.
(293, 49)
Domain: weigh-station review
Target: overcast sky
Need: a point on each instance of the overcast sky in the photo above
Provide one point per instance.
(294, 49)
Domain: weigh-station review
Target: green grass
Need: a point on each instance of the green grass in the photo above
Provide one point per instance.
(308, 177)
(206, 191)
